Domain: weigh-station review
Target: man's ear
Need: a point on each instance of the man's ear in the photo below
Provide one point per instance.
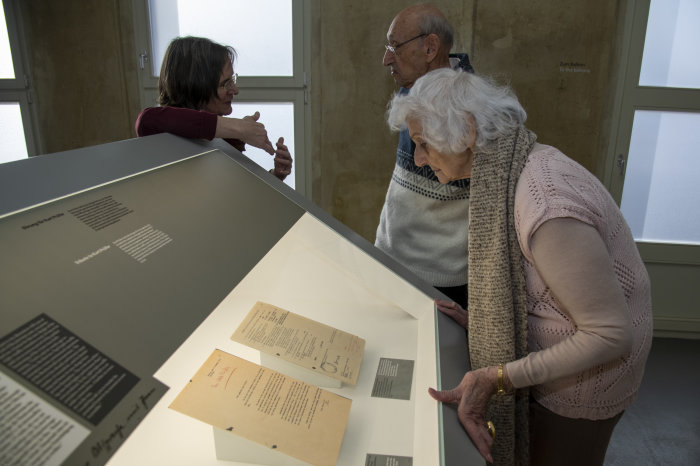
(471, 135)
(432, 45)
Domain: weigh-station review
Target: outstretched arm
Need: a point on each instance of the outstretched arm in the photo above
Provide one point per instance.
(247, 129)
(574, 263)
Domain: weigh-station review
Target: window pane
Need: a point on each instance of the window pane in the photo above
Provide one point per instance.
(661, 192)
(7, 70)
(278, 119)
(260, 31)
(13, 145)
(670, 48)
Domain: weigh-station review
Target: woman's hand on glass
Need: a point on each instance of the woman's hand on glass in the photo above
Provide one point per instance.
(471, 395)
(453, 310)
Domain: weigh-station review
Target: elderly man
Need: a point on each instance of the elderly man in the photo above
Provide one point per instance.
(422, 224)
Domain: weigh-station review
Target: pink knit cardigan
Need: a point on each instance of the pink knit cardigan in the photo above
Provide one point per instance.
(551, 186)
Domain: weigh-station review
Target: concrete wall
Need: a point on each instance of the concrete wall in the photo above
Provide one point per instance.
(353, 149)
(556, 55)
(85, 91)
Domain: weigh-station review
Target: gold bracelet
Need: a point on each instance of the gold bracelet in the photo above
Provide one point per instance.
(500, 390)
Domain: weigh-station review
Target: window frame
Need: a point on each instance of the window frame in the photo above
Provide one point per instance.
(19, 90)
(629, 97)
(294, 89)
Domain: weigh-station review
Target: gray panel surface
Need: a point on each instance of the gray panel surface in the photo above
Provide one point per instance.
(24, 183)
(220, 221)
(221, 212)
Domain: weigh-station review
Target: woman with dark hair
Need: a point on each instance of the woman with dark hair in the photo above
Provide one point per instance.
(559, 309)
(196, 87)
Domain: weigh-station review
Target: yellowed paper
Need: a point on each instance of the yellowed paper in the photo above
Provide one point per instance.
(305, 342)
(266, 407)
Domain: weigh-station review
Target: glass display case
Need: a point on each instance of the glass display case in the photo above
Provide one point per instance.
(148, 254)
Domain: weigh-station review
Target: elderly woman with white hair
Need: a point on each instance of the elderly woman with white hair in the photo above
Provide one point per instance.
(559, 310)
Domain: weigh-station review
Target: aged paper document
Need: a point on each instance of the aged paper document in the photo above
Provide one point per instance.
(266, 407)
(305, 342)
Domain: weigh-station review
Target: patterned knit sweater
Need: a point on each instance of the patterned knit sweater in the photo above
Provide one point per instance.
(551, 186)
(424, 224)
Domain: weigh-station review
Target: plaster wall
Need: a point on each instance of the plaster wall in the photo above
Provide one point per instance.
(558, 57)
(85, 86)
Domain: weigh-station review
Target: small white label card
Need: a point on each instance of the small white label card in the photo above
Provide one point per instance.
(394, 378)
(387, 460)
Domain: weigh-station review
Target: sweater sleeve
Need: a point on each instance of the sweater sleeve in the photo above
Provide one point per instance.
(185, 122)
(574, 263)
(559, 234)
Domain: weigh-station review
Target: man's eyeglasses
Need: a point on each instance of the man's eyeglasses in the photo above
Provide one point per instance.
(230, 82)
(392, 48)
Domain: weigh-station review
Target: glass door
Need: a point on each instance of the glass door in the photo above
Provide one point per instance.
(654, 162)
(664, 152)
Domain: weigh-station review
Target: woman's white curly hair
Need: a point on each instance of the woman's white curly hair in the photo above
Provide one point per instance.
(442, 101)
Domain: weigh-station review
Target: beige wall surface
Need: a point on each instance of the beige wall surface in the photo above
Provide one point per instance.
(556, 55)
(84, 90)
(353, 149)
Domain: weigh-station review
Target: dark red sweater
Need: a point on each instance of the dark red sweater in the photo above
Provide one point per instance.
(185, 122)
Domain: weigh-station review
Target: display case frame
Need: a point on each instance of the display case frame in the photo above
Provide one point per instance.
(224, 201)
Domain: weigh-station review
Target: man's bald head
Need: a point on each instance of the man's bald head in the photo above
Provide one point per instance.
(429, 19)
(420, 39)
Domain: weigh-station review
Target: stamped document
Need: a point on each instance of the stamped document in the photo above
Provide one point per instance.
(266, 407)
(305, 342)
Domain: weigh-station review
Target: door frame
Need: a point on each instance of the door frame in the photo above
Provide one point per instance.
(673, 268)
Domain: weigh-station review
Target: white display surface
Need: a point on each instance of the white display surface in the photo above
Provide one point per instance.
(314, 272)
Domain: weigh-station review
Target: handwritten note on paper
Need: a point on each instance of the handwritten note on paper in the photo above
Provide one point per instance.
(266, 407)
(302, 341)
